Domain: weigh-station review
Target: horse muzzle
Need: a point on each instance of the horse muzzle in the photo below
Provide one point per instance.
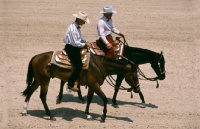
(162, 76)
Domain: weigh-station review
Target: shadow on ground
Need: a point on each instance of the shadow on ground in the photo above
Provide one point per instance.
(69, 114)
(96, 99)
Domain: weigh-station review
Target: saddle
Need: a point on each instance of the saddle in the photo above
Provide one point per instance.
(98, 49)
(61, 59)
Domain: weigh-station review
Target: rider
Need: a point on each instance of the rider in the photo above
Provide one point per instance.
(74, 43)
(105, 28)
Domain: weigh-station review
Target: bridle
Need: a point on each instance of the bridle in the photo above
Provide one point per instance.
(139, 70)
(154, 78)
(135, 88)
(111, 79)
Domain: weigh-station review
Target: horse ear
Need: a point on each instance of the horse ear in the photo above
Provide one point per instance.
(161, 53)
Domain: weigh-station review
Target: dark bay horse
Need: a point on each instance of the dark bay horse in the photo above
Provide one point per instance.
(40, 72)
(142, 56)
(138, 56)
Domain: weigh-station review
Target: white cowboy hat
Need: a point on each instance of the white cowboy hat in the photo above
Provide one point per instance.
(83, 16)
(108, 9)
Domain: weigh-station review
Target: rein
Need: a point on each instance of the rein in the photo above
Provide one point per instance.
(121, 87)
(104, 76)
(113, 85)
(112, 79)
(149, 79)
(139, 70)
(125, 43)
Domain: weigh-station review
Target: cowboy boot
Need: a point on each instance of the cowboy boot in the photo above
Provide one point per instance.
(74, 88)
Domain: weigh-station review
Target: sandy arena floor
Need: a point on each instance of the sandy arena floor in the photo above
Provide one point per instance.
(30, 27)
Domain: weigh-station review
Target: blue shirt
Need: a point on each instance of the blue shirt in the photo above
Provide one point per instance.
(73, 36)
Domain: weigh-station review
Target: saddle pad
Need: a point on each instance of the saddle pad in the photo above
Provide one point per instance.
(61, 60)
(96, 50)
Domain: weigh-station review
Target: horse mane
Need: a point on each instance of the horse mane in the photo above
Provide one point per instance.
(140, 55)
(140, 50)
(120, 61)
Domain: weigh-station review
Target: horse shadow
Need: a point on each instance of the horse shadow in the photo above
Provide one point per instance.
(71, 98)
(69, 114)
(96, 99)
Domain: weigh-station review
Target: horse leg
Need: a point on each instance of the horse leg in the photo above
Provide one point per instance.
(140, 92)
(83, 101)
(142, 98)
(89, 99)
(118, 83)
(100, 93)
(137, 89)
(43, 94)
(59, 98)
(28, 92)
(104, 98)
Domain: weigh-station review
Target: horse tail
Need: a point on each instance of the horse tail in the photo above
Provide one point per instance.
(29, 78)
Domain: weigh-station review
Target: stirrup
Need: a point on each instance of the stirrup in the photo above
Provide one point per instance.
(74, 89)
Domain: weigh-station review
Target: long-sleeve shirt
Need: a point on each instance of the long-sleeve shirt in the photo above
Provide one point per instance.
(105, 27)
(73, 36)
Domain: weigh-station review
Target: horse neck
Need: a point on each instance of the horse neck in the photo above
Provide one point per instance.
(143, 56)
(114, 67)
(139, 55)
(102, 66)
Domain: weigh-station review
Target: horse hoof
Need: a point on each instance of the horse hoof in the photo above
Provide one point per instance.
(24, 114)
(115, 105)
(58, 101)
(89, 118)
(143, 105)
(103, 119)
(53, 118)
(83, 101)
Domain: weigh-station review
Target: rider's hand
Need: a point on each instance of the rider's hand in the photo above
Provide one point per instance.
(108, 45)
(88, 44)
(122, 35)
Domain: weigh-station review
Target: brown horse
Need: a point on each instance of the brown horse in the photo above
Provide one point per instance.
(138, 56)
(40, 72)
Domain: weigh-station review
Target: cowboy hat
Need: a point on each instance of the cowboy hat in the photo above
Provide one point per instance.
(108, 9)
(83, 16)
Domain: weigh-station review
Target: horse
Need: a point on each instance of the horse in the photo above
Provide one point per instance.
(138, 56)
(142, 56)
(40, 71)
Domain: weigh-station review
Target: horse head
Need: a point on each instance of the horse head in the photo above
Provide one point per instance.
(158, 66)
(132, 79)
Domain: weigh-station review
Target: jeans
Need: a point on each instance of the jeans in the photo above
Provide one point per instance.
(75, 58)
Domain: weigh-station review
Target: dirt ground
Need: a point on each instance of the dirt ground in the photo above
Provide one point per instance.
(30, 27)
